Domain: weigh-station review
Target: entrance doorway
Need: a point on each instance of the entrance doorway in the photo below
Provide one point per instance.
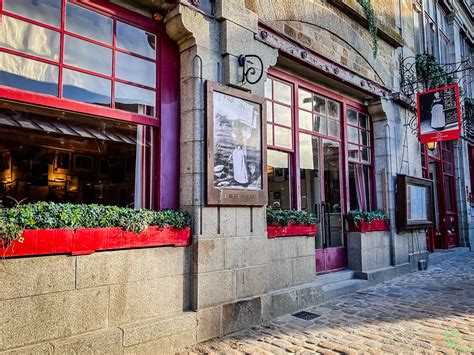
(438, 166)
(321, 193)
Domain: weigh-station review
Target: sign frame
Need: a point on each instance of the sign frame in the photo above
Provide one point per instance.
(438, 134)
(224, 149)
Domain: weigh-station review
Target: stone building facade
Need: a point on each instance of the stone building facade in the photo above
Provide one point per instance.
(158, 300)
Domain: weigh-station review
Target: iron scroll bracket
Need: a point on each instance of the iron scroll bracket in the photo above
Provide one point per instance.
(252, 68)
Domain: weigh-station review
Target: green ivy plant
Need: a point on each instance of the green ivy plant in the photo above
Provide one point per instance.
(372, 19)
(431, 72)
(50, 215)
(284, 218)
(357, 216)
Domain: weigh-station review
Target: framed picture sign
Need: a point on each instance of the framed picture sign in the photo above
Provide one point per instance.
(439, 114)
(236, 166)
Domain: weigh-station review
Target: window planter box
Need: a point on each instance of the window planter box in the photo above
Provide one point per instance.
(291, 231)
(364, 227)
(88, 240)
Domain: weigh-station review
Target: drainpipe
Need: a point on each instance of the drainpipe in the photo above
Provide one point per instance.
(389, 183)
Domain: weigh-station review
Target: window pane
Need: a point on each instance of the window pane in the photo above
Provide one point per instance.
(283, 137)
(282, 92)
(305, 100)
(93, 161)
(320, 125)
(269, 134)
(88, 56)
(133, 99)
(45, 11)
(89, 24)
(319, 104)
(282, 115)
(27, 74)
(269, 110)
(278, 180)
(365, 156)
(333, 128)
(86, 88)
(136, 40)
(28, 38)
(333, 109)
(363, 121)
(364, 138)
(305, 120)
(448, 193)
(268, 88)
(359, 187)
(136, 70)
(352, 135)
(353, 152)
(309, 152)
(352, 117)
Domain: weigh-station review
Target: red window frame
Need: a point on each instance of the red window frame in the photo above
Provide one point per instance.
(117, 13)
(294, 164)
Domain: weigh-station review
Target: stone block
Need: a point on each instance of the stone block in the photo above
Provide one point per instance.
(227, 222)
(237, 13)
(259, 219)
(40, 318)
(192, 161)
(209, 323)
(102, 342)
(209, 255)
(210, 222)
(190, 192)
(124, 266)
(242, 314)
(214, 288)
(40, 349)
(309, 296)
(155, 329)
(235, 39)
(35, 276)
(200, 62)
(243, 221)
(368, 259)
(281, 274)
(304, 269)
(148, 299)
(382, 255)
(244, 252)
(281, 303)
(164, 346)
(252, 281)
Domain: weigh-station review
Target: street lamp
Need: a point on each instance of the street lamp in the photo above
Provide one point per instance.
(432, 145)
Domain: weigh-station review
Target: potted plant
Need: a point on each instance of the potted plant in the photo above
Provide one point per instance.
(366, 221)
(285, 223)
(56, 228)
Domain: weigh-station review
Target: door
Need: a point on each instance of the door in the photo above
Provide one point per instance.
(321, 194)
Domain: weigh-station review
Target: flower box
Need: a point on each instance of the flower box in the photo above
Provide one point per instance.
(291, 230)
(88, 240)
(375, 225)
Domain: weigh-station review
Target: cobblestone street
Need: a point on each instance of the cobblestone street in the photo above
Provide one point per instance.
(424, 313)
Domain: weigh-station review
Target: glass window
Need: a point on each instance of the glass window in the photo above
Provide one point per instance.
(305, 100)
(279, 188)
(282, 115)
(282, 92)
(283, 137)
(28, 38)
(45, 11)
(418, 30)
(352, 135)
(136, 40)
(28, 74)
(269, 108)
(333, 109)
(89, 24)
(136, 70)
(269, 134)
(134, 99)
(90, 161)
(86, 88)
(268, 88)
(89, 56)
(305, 120)
(352, 117)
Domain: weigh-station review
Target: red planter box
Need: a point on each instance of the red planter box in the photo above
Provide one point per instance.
(88, 240)
(363, 227)
(291, 231)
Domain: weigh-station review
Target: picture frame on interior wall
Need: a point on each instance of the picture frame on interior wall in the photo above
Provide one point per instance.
(236, 145)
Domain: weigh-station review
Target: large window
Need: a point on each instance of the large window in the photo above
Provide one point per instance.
(62, 49)
(306, 148)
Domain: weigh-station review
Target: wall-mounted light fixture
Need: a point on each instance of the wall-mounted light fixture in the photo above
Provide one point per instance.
(432, 145)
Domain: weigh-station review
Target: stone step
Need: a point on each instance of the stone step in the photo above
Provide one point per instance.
(442, 255)
(343, 287)
(334, 277)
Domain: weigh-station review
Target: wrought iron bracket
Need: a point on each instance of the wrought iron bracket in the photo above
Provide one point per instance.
(252, 68)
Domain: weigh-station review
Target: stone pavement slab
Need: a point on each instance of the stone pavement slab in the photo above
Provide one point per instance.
(429, 312)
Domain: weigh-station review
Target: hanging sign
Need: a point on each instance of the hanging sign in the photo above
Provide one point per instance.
(439, 114)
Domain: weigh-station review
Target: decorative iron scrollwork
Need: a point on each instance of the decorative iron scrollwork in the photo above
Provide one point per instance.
(252, 68)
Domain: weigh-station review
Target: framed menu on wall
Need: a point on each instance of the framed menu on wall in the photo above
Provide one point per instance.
(236, 164)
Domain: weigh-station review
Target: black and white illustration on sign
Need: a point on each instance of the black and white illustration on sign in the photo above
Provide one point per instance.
(237, 143)
(438, 111)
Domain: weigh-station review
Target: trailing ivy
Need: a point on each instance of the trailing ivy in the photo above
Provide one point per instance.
(50, 215)
(357, 216)
(372, 19)
(288, 217)
(431, 72)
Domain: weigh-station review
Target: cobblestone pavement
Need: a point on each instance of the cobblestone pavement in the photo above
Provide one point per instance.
(429, 312)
